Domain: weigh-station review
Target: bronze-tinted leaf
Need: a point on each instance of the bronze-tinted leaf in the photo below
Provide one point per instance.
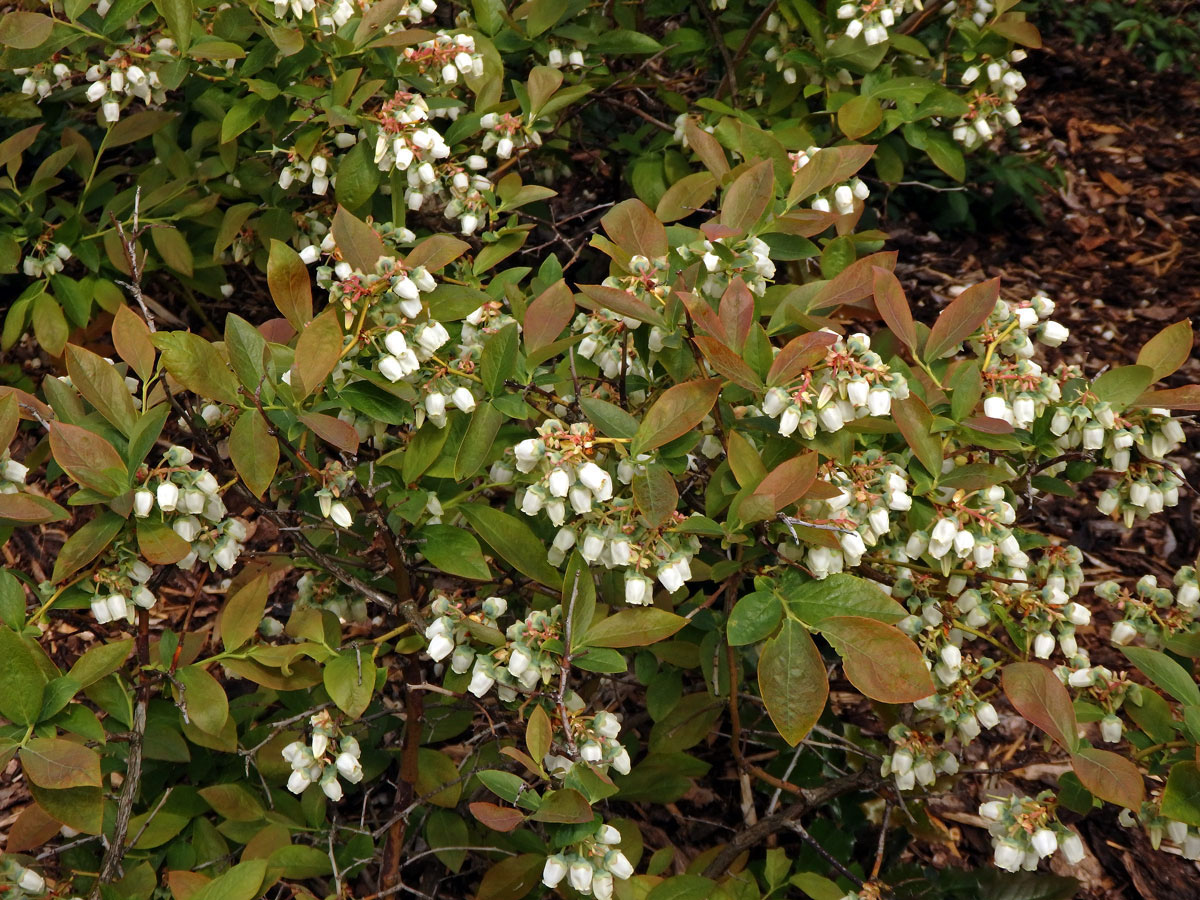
(677, 411)
(1041, 698)
(965, 314)
(879, 659)
(288, 281)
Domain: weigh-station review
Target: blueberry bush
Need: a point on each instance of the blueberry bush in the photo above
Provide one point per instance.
(438, 439)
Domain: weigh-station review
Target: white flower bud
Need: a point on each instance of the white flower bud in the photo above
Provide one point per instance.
(1044, 842)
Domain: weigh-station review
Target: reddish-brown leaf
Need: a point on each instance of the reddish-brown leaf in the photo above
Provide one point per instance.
(676, 412)
(963, 316)
(915, 422)
(1110, 777)
(317, 352)
(703, 315)
(828, 167)
(728, 363)
(747, 198)
(789, 481)
(707, 147)
(854, 283)
(548, 315)
(1040, 697)
(497, 818)
(131, 337)
(436, 252)
(737, 313)
(341, 434)
(633, 227)
(357, 241)
(1186, 398)
(288, 281)
(88, 458)
(879, 659)
(893, 306)
(798, 354)
(621, 302)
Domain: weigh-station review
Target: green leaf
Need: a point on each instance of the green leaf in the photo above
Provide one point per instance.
(841, 595)
(159, 543)
(612, 421)
(754, 618)
(686, 196)
(243, 612)
(178, 15)
(1123, 385)
(792, 682)
(513, 541)
(25, 30)
(350, 680)
(879, 659)
(915, 422)
(477, 443)
(197, 365)
(1110, 777)
(207, 705)
(233, 802)
(1168, 350)
(438, 779)
(137, 126)
(498, 361)
(81, 808)
(57, 763)
(655, 494)
(1041, 698)
(49, 325)
(451, 302)
(1166, 673)
(454, 551)
(174, 249)
(634, 628)
(357, 176)
(100, 660)
(241, 882)
(859, 116)
(253, 451)
(512, 878)
(23, 680)
(1181, 796)
(88, 542)
(564, 806)
(677, 411)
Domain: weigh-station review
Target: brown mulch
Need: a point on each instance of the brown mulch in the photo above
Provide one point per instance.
(1119, 252)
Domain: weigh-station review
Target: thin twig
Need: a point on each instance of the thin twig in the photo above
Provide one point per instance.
(564, 672)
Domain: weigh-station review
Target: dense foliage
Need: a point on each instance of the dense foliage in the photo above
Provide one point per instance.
(506, 559)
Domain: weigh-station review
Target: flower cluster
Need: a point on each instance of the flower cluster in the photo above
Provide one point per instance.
(917, 759)
(597, 741)
(1024, 831)
(567, 471)
(990, 100)
(116, 585)
(851, 382)
(591, 865)
(872, 19)
(189, 500)
(323, 761)
(45, 259)
(1156, 613)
